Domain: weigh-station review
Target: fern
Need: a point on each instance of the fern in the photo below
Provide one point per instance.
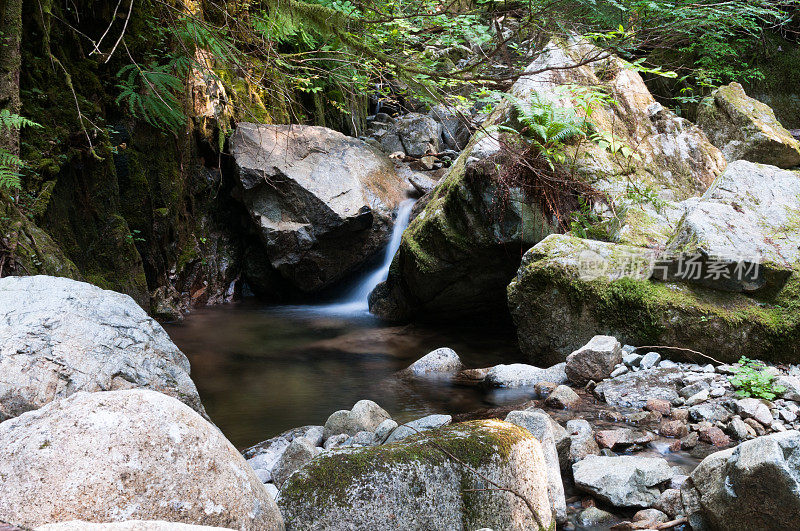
(151, 94)
(546, 127)
(10, 163)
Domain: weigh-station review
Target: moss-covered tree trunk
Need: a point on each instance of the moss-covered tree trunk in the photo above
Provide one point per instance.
(10, 59)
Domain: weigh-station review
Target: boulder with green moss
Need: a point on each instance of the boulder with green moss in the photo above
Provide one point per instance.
(468, 240)
(435, 480)
(570, 289)
(745, 128)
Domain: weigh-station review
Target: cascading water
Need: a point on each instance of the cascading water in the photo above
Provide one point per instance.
(356, 301)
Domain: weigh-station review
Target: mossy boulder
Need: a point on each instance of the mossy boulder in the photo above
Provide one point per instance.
(417, 484)
(745, 128)
(460, 252)
(570, 289)
(26, 249)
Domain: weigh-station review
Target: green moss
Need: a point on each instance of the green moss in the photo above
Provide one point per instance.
(330, 478)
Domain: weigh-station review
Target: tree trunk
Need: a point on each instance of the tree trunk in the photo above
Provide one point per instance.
(10, 59)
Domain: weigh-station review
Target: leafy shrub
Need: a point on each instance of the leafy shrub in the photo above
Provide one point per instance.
(751, 379)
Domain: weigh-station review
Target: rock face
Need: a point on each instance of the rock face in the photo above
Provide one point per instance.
(414, 485)
(121, 455)
(625, 481)
(419, 134)
(569, 290)
(756, 485)
(60, 336)
(321, 202)
(745, 128)
(594, 361)
(457, 254)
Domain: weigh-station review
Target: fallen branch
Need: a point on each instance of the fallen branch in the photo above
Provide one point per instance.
(679, 349)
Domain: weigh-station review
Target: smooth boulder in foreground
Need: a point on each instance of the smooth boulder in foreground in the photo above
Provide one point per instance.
(415, 484)
(122, 455)
(60, 336)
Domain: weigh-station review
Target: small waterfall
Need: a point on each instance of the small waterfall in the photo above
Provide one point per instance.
(356, 300)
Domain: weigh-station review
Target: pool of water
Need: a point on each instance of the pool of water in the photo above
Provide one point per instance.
(261, 370)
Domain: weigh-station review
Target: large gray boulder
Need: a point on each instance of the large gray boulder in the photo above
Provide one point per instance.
(415, 484)
(540, 425)
(744, 128)
(756, 485)
(595, 360)
(459, 254)
(440, 362)
(60, 336)
(570, 289)
(320, 201)
(623, 481)
(122, 455)
(748, 218)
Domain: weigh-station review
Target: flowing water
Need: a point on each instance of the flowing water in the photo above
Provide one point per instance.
(264, 369)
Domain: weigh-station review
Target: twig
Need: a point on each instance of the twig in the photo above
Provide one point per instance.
(679, 349)
(121, 33)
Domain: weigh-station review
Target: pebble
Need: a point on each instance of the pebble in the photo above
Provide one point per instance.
(697, 398)
(632, 360)
(619, 371)
(717, 392)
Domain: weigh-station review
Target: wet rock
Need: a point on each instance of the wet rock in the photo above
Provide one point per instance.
(442, 361)
(563, 397)
(662, 406)
(690, 441)
(649, 518)
(540, 425)
(60, 336)
(521, 375)
(730, 485)
(299, 452)
(263, 456)
(411, 428)
(745, 128)
(670, 503)
(753, 408)
(594, 361)
(738, 429)
(636, 388)
(680, 414)
(543, 389)
(673, 428)
(710, 412)
(619, 371)
(624, 481)
(360, 486)
(632, 360)
(792, 386)
(320, 202)
(582, 441)
(614, 439)
(594, 518)
(366, 415)
(714, 436)
(121, 455)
